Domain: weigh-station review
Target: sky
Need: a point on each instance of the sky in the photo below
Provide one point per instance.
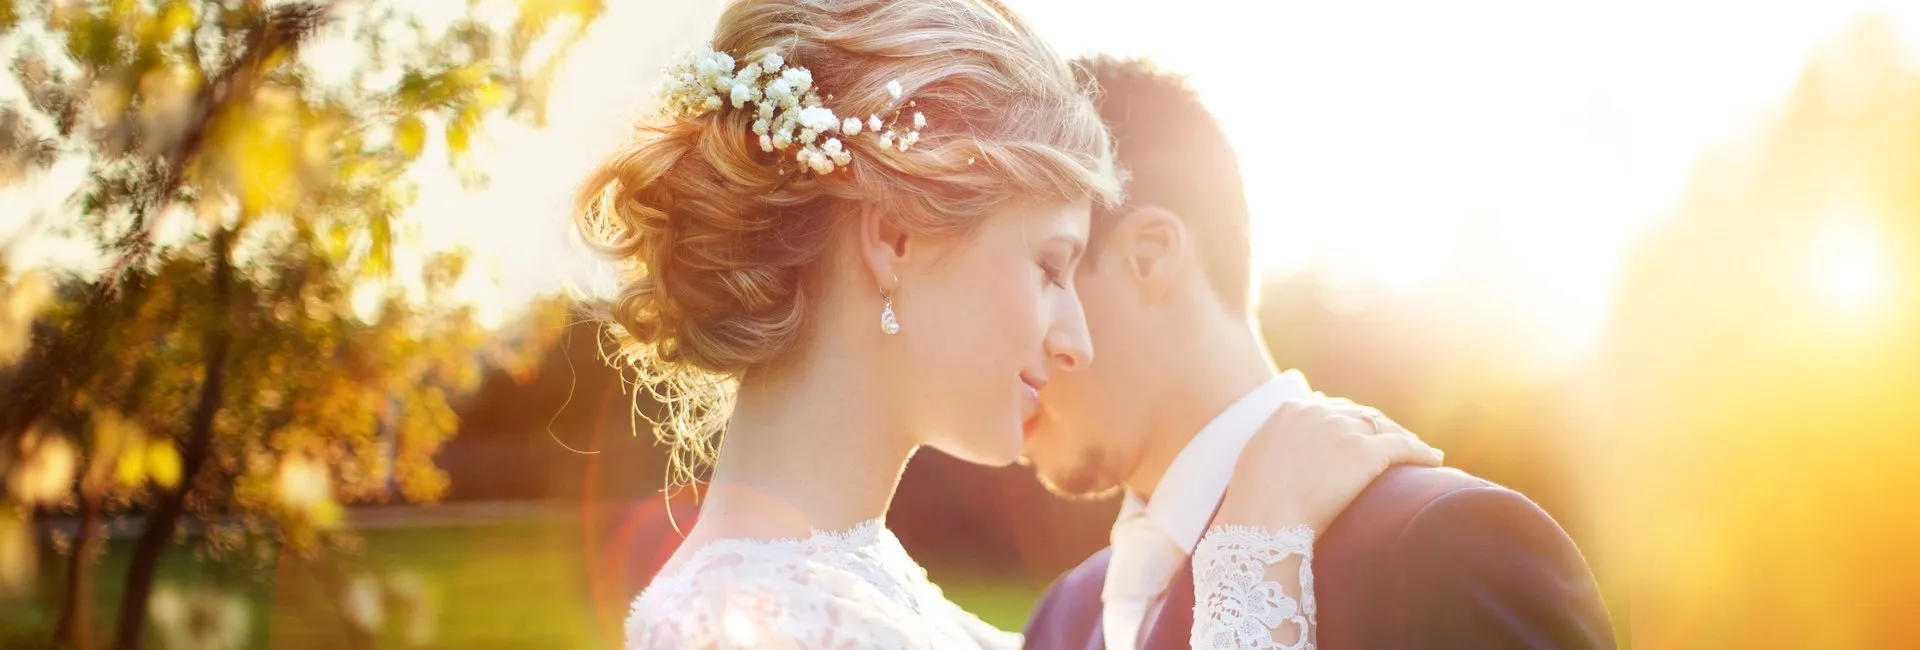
(1496, 157)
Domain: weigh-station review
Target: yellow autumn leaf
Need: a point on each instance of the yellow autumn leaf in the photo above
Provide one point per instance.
(326, 514)
(491, 93)
(458, 136)
(176, 18)
(410, 136)
(130, 468)
(163, 463)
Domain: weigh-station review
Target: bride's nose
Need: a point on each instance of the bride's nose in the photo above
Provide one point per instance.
(1067, 344)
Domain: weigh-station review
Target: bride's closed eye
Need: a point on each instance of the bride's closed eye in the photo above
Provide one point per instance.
(1053, 275)
(1057, 261)
(1056, 266)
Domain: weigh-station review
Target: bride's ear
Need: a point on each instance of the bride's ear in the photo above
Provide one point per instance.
(883, 248)
(1152, 244)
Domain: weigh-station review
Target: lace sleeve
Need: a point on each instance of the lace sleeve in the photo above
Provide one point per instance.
(740, 596)
(1254, 589)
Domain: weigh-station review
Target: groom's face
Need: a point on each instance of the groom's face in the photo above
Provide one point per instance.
(1089, 434)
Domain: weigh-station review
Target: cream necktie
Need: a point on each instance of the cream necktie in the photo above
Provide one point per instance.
(1143, 562)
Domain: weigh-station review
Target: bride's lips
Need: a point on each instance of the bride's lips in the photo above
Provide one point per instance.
(1030, 405)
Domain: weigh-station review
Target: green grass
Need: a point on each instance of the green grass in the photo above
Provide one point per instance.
(511, 585)
(1004, 603)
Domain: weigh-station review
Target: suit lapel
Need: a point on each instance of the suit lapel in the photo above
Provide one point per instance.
(1172, 626)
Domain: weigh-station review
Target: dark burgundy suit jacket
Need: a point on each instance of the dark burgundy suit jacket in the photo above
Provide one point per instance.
(1424, 558)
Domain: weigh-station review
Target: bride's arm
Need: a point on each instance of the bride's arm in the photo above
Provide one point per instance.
(1253, 588)
(1253, 571)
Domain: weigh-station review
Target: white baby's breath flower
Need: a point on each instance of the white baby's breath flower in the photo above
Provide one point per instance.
(874, 123)
(788, 114)
(779, 91)
(818, 119)
(800, 78)
(893, 89)
(886, 139)
(919, 120)
(969, 161)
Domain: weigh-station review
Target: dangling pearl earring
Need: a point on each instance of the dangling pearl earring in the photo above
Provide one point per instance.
(888, 323)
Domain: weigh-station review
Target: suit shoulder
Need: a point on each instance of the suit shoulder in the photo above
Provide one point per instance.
(1400, 494)
(1489, 517)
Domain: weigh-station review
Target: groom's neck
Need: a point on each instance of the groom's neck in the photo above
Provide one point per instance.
(1223, 360)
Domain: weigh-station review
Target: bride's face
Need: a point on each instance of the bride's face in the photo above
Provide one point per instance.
(987, 320)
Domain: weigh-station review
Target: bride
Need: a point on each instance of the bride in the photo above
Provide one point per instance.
(851, 234)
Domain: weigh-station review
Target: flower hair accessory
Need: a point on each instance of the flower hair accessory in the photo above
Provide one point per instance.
(790, 114)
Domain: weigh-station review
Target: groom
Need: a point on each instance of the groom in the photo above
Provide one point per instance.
(1425, 557)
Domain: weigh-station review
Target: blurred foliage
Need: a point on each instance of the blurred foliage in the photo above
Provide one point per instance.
(1757, 410)
(250, 358)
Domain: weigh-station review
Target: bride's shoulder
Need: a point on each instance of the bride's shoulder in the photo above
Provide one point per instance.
(760, 593)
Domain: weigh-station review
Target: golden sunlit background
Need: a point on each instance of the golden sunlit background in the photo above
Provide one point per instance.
(1655, 264)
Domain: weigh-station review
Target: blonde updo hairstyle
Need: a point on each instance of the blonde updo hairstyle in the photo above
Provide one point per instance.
(716, 238)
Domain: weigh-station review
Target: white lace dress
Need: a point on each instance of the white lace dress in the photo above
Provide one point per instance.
(859, 589)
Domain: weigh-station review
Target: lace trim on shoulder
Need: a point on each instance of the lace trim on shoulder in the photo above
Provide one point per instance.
(852, 588)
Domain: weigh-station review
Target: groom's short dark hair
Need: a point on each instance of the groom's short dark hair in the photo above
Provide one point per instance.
(1176, 157)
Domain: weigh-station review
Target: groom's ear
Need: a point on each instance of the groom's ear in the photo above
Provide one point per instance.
(1152, 243)
(883, 248)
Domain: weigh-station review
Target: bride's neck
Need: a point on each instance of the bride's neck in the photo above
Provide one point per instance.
(802, 452)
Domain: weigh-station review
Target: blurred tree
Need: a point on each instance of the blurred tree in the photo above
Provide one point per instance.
(248, 191)
(1759, 374)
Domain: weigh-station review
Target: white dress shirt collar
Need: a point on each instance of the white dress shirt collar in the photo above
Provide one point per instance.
(1194, 483)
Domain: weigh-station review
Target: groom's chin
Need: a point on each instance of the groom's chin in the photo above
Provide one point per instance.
(1080, 484)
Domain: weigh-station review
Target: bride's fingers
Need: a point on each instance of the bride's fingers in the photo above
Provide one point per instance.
(1405, 448)
(1376, 421)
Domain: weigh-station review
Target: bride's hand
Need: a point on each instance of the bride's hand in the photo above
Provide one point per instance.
(1311, 459)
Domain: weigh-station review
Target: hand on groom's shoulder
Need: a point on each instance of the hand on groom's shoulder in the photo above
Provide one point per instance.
(1434, 557)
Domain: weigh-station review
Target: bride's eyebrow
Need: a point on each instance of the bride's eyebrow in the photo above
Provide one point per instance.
(1077, 243)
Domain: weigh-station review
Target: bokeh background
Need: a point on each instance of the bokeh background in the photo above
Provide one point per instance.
(1655, 264)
